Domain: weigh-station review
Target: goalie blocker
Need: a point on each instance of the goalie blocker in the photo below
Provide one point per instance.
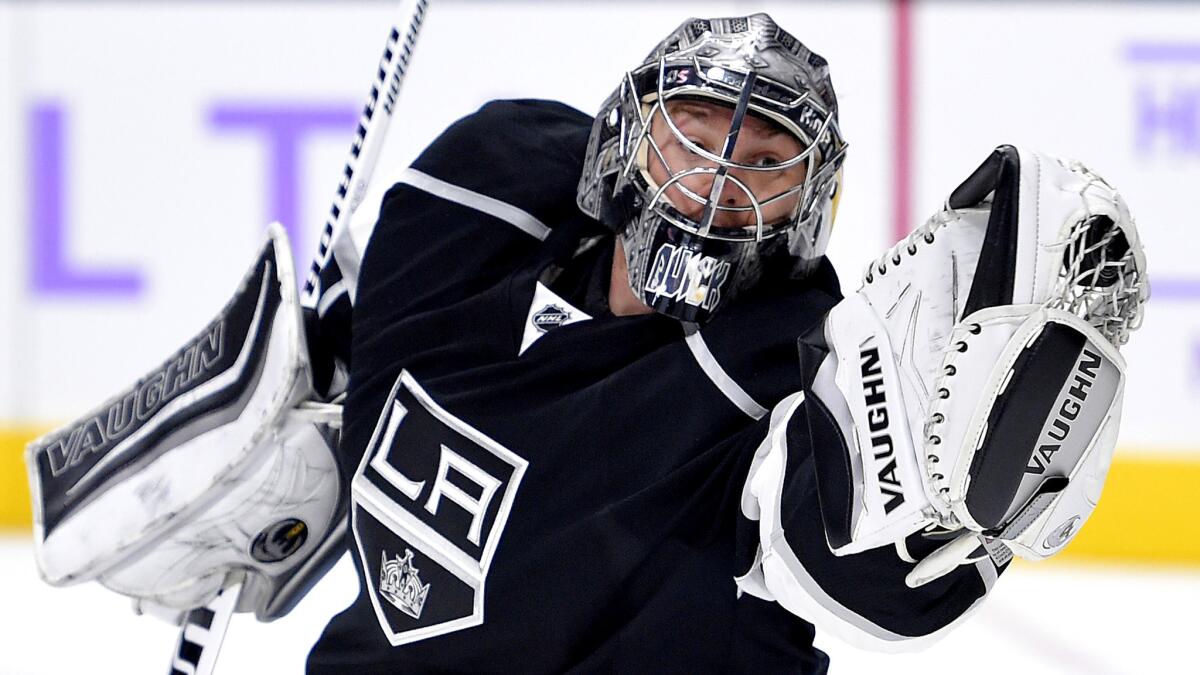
(209, 471)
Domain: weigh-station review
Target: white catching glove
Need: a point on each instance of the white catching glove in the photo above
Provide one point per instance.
(974, 380)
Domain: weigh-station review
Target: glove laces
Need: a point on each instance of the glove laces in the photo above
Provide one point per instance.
(909, 245)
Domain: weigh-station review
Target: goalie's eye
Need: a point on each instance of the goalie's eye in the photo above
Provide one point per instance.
(767, 160)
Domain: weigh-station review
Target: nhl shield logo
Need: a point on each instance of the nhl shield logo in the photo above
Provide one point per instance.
(550, 316)
(547, 311)
(400, 584)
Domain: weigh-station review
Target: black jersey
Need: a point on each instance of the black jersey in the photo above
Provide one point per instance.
(540, 486)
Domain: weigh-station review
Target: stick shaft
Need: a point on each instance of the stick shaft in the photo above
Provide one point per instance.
(202, 633)
(203, 629)
(372, 127)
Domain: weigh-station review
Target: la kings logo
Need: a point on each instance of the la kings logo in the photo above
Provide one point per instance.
(875, 397)
(440, 490)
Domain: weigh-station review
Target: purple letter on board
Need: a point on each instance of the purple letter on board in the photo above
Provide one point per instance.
(53, 273)
(1173, 114)
(284, 127)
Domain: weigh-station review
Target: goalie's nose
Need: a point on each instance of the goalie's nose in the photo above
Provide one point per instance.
(734, 207)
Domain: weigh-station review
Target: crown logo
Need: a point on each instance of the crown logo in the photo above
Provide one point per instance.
(400, 584)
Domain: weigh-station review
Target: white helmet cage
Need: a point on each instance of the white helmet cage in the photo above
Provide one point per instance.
(683, 266)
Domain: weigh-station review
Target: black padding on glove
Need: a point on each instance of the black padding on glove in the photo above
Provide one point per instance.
(869, 584)
(1000, 173)
(832, 462)
(320, 353)
(1016, 421)
(812, 350)
(819, 431)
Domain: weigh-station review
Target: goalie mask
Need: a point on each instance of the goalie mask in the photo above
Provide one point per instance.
(717, 162)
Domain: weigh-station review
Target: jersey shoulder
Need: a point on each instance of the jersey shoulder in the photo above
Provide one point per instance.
(477, 205)
(524, 153)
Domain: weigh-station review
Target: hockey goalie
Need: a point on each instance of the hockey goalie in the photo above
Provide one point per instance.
(586, 396)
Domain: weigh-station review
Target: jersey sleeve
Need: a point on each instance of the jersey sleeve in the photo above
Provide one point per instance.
(861, 598)
(484, 194)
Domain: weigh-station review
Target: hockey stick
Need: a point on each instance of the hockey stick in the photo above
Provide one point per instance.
(202, 630)
(364, 152)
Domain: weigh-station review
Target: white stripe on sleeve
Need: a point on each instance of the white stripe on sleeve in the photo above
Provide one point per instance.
(732, 390)
(510, 214)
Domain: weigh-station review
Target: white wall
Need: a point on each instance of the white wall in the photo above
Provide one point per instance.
(154, 186)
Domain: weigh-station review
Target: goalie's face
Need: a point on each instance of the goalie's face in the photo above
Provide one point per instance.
(721, 191)
(760, 143)
(717, 162)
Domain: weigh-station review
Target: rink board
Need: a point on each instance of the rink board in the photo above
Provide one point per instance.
(1148, 514)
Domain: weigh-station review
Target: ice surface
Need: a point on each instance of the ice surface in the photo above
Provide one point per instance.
(1050, 618)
